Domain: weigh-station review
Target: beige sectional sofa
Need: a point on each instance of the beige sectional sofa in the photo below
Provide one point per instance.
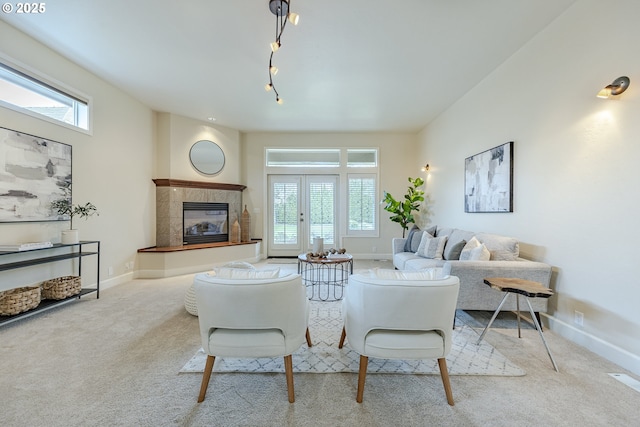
(474, 293)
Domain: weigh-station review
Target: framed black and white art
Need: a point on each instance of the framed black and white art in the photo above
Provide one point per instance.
(488, 180)
(34, 171)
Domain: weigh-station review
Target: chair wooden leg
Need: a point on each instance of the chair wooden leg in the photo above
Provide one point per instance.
(342, 337)
(205, 377)
(308, 336)
(444, 373)
(362, 374)
(288, 369)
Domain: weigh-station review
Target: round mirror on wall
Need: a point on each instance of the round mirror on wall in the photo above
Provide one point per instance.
(207, 157)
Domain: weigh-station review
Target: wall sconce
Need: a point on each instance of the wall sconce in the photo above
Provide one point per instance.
(618, 86)
(425, 168)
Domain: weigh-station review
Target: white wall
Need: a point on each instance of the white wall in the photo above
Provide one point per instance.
(111, 168)
(394, 151)
(575, 172)
(176, 134)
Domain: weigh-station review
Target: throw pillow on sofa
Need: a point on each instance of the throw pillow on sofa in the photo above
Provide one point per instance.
(431, 247)
(475, 251)
(456, 241)
(453, 251)
(502, 248)
(414, 237)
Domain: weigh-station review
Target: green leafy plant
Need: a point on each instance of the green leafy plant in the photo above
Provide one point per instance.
(402, 209)
(64, 207)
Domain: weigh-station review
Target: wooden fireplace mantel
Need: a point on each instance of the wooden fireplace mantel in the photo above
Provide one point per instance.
(163, 182)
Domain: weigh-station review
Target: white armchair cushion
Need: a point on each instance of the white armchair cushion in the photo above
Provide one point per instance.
(404, 344)
(254, 342)
(245, 273)
(388, 274)
(240, 264)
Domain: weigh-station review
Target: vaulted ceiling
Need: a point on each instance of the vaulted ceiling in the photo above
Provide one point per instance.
(349, 66)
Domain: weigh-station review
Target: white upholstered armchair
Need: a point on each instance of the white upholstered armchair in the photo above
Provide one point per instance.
(400, 315)
(251, 317)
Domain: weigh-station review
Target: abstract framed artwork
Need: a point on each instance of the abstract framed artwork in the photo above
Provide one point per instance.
(488, 180)
(34, 171)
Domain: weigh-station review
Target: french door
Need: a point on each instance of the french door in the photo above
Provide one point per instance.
(301, 208)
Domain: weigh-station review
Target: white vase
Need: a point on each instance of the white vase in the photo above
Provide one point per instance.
(69, 237)
(318, 245)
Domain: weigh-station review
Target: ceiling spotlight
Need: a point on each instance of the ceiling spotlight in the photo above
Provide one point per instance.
(618, 86)
(280, 8)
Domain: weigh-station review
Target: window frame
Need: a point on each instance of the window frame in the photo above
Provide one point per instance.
(302, 152)
(47, 83)
(374, 207)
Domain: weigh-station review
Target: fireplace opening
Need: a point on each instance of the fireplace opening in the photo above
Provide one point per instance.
(205, 222)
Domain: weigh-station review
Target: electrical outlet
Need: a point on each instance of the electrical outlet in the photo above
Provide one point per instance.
(578, 318)
(110, 271)
(374, 249)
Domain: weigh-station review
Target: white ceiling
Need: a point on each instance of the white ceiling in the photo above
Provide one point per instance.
(350, 65)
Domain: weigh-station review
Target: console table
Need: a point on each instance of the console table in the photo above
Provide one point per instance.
(47, 255)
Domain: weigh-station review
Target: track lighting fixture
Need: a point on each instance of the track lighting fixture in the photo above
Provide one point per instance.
(280, 8)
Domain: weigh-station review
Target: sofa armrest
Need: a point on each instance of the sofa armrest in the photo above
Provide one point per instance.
(397, 245)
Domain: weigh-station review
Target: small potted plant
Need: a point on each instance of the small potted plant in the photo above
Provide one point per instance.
(64, 207)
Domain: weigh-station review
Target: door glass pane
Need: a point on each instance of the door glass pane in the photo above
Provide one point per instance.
(285, 213)
(321, 211)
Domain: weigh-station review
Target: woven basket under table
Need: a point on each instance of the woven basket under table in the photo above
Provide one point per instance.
(61, 287)
(18, 300)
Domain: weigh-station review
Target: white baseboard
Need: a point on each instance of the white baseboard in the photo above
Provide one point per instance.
(116, 280)
(373, 256)
(597, 345)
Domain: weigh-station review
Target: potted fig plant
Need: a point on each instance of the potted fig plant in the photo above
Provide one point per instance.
(64, 207)
(402, 209)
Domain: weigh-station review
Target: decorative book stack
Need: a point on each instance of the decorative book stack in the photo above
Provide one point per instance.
(25, 246)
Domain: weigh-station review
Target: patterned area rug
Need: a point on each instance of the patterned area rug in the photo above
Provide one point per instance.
(325, 325)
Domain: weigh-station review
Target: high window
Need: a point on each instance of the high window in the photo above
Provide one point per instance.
(303, 157)
(25, 93)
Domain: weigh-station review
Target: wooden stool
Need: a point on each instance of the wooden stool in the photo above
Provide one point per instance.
(519, 287)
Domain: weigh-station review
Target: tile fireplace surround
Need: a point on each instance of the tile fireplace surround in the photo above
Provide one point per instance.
(171, 193)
